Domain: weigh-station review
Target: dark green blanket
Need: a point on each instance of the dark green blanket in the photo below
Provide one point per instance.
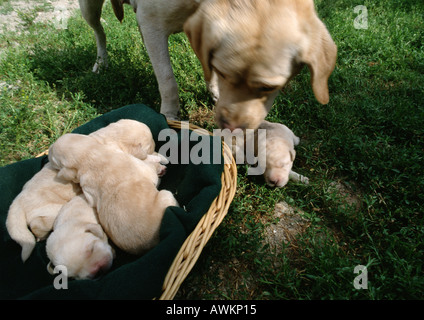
(131, 277)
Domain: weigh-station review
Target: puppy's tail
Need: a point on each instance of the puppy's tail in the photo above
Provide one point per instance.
(118, 9)
(17, 227)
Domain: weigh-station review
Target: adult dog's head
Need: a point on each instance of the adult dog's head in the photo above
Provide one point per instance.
(255, 47)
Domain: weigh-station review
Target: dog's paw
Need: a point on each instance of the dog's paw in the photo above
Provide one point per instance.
(100, 65)
(304, 179)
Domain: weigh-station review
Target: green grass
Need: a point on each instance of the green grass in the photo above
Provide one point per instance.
(370, 137)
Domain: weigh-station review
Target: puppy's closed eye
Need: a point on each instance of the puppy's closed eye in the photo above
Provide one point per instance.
(281, 164)
(267, 89)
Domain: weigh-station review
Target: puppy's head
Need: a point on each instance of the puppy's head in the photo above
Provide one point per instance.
(66, 151)
(130, 136)
(84, 252)
(157, 162)
(279, 161)
(255, 47)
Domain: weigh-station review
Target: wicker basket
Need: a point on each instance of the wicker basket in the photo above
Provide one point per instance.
(194, 244)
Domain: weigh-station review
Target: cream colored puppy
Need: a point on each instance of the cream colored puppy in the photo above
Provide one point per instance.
(271, 147)
(130, 136)
(37, 206)
(121, 187)
(42, 197)
(249, 49)
(280, 154)
(78, 241)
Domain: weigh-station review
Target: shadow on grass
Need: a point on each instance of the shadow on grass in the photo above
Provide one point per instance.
(124, 82)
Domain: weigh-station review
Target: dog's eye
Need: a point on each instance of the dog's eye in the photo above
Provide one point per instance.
(219, 73)
(266, 89)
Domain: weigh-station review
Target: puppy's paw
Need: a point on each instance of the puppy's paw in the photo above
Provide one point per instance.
(304, 179)
(153, 158)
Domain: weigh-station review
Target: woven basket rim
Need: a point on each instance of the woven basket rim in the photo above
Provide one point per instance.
(195, 242)
(192, 247)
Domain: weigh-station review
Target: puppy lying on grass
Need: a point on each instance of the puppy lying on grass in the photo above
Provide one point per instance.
(274, 151)
(43, 196)
(121, 187)
(78, 241)
(280, 154)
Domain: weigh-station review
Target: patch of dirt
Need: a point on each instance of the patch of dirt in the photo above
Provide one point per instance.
(347, 196)
(290, 222)
(17, 14)
(202, 116)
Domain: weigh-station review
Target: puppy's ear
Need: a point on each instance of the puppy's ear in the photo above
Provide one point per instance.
(292, 155)
(95, 229)
(201, 37)
(320, 58)
(68, 174)
(296, 140)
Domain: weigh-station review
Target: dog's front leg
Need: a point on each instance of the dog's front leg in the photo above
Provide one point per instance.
(156, 42)
(91, 11)
(298, 177)
(213, 86)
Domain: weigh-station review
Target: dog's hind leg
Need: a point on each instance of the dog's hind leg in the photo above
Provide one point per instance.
(91, 11)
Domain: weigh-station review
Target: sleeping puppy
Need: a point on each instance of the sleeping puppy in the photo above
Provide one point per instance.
(273, 152)
(121, 187)
(37, 206)
(249, 49)
(129, 136)
(280, 154)
(42, 197)
(78, 241)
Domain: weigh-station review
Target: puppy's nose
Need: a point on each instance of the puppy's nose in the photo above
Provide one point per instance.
(224, 124)
(273, 183)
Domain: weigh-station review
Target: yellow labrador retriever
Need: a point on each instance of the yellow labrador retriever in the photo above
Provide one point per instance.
(37, 206)
(270, 149)
(129, 136)
(121, 187)
(249, 49)
(44, 194)
(280, 154)
(78, 242)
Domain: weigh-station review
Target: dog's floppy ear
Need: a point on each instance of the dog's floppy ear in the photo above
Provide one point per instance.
(201, 38)
(319, 51)
(95, 229)
(321, 60)
(68, 174)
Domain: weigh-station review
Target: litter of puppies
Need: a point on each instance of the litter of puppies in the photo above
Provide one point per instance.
(103, 187)
(94, 188)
